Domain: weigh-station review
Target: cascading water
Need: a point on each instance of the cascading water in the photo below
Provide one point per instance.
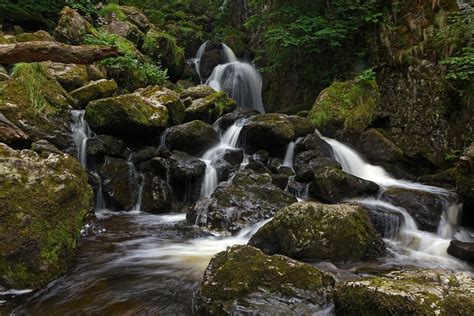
(196, 61)
(228, 141)
(290, 152)
(80, 133)
(138, 180)
(409, 245)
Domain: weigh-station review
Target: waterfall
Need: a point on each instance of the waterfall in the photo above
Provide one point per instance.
(138, 180)
(196, 61)
(80, 133)
(412, 245)
(229, 140)
(241, 81)
(99, 200)
(228, 54)
(290, 152)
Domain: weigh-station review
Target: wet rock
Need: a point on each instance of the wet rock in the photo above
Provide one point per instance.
(257, 166)
(125, 115)
(44, 199)
(413, 292)
(145, 154)
(248, 199)
(334, 185)
(261, 156)
(224, 169)
(301, 125)
(117, 184)
(163, 47)
(244, 280)
(105, 145)
(168, 98)
(94, 90)
(43, 146)
(156, 196)
(426, 208)
(127, 30)
(312, 231)
(70, 76)
(197, 92)
(194, 137)
(186, 174)
(72, 27)
(280, 180)
(314, 142)
(210, 108)
(234, 156)
(212, 56)
(378, 148)
(229, 119)
(462, 250)
(306, 165)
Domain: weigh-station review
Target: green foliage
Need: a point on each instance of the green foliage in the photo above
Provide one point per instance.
(366, 75)
(34, 80)
(84, 7)
(112, 10)
(106, 38)
(452, 155)
(460, 67)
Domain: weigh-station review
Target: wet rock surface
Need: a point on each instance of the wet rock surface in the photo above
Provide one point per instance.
(193, 137)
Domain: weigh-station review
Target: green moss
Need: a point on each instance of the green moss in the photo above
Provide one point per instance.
(112, 11)
(210, 107)
(350, 104)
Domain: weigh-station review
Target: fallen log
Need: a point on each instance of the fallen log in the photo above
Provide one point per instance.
(28, 52)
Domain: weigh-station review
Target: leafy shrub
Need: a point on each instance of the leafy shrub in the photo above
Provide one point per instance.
(112, 10)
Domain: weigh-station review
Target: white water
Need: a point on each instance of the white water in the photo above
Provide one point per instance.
(228, 141)
(196, 61)
(80, 133)
(138, 180)
(290, 152)
(229, 56)
(241, 81)
(411, 245)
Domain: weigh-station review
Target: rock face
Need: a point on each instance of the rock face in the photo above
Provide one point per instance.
(197, 92)
(212, 56)
(186, 174)
(243, 280)
(72, 27)
(273, 132)
(333, 185)
(167, 98)
(426, 208)
(210, 108)
(378, 148)
(313, 231)
(193, 137)
(415, 292)
(250, 198)
(462, 250)
(117, 184)
(127, 30)
(125, 115)
(38, 235)
(10, 134)
(94, 90)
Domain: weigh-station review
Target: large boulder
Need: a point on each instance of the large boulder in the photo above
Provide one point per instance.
(210, 108)
(105, 145)
(243, 280)
(42, 36)
(72, 76)
(213, 55)
(378, 148)
(117, 184)
(248, 199)
(169, 99)
(163, 47)
(94, 90)
(127, 30)
(44, 199)
(193, 137)
(125, 115)
(312, 231)
(186, 174)
(156, 196)
(462, 250)
(72, 27)
(137, 17)
(333, 185)
(425, 207)
(197, 92)
(412, 292)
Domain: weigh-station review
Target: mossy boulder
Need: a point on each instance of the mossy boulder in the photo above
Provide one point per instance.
(244, 280)
(163, 47)
(210, 108)
(94, 90)
(72, 76)
(248, 199)
(44, 199)
(37, 104)
(11, 135)
(169, 99)
(125, 115)
(36, 36)
(273, 132)
(412, 292)
(345, 107)
(193, 137)
(137, 17)
(425, 207)
(332, 185)
(379, 148)
(127, 30)
(313, 231)
(117, 184)
(197, 92)
(105, 145)
(72, 27)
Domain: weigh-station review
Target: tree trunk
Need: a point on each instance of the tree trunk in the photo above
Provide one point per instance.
(29, 52)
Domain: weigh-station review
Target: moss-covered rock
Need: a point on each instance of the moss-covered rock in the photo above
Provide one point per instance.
(425, 207)
(105, 145)
(197, 92)
(94, 90)
(126, 114)
(127, 30)
(137, 17)
(345, 107)
(37, 104)
(163, 47)
(462, 250)
(36, 36)
(378, 147)
(333, 185)
(192, 137)
(412, 292)
(210, 108)
(244, 280)
(250, 198)
(313, 231)
(44, 200)
(11, 135)
(72, 27)
(72, 76)
(169, 99)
